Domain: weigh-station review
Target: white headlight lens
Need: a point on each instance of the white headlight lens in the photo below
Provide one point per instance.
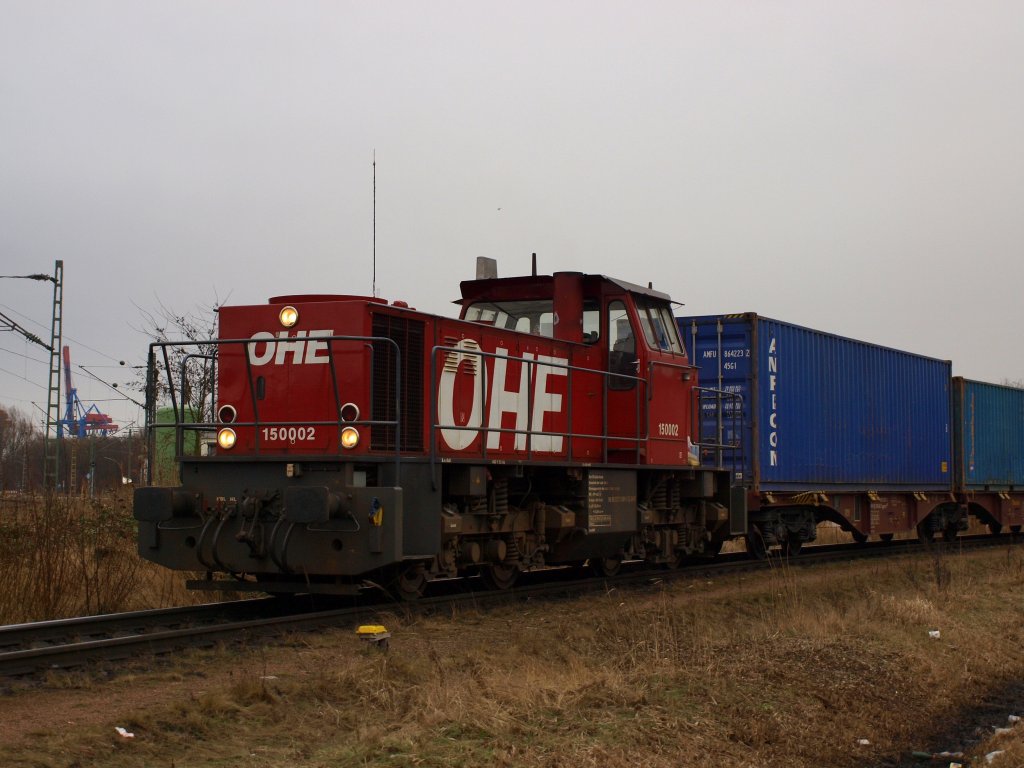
(288, 316)
(349, 437)
(226, 438)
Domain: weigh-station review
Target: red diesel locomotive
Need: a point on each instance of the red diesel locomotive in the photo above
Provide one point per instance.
(363, 442)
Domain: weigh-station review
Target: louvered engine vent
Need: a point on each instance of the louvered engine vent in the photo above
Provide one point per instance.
(388, 375)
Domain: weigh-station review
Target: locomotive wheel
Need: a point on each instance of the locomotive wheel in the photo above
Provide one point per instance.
(606, 566)
(675, 560)
(499, 576)
(755, 543)
(712, 548)
(792, 547)
(409, 583)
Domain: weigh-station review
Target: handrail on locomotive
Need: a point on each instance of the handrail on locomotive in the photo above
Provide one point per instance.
(181, 425)
(721, 402)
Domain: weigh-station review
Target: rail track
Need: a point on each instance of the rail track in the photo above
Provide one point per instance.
(35, 648)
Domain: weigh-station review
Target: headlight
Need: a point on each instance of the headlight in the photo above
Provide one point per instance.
(227, 414)
(288, 316)
(226, 438)
(349, 437)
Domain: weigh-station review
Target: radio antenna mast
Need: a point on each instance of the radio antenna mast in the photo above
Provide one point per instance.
(375, 223)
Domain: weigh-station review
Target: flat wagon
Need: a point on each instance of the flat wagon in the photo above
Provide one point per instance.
(828, 428)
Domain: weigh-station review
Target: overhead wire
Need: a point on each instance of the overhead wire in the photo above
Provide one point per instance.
(69, 338)
(110, 386)
(19, 376)
(22, 354)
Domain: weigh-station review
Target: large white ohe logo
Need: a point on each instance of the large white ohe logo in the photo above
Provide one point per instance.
(534, 373)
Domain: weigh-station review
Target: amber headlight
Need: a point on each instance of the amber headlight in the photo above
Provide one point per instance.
(226, 438)
(288, 316)
(349, 437)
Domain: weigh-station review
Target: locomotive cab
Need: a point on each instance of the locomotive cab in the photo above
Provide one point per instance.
(632, 335)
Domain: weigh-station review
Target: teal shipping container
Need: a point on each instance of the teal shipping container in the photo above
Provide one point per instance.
(988, 431)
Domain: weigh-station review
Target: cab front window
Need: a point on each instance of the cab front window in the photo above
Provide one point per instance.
(659, 327)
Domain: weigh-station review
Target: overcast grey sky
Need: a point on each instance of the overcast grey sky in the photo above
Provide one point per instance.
(855, 167)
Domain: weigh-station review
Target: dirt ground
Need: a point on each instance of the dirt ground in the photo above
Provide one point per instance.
(795, 668)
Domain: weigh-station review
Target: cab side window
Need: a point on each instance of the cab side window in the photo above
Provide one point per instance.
(621, 348)
(591, 322)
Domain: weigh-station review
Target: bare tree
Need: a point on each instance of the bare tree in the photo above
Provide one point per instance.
(181, 373)
(17, 435)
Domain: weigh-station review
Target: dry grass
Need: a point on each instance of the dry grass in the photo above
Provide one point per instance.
(789, 669)
(1003, 745)
(65, 556)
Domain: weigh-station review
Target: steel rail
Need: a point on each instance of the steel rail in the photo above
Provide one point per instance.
(60, 630)
(74, 654)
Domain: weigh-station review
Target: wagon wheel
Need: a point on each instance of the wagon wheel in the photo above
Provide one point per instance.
(859, 537)
(499, 576)
(925, 534)
(949, 533)
(1014, 529)
(408, 582)
(755, 543)
(606, 566)
(995, 528)
(791, 547)
(886, 537)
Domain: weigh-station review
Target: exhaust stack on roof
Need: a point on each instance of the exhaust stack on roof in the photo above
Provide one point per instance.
(486, 268)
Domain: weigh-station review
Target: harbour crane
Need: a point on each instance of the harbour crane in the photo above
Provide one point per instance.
(79, 421)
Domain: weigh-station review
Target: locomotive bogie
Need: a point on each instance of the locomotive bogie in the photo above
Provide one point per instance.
(563, 516)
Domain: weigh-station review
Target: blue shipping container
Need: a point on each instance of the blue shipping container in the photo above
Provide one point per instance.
(988, 424)
(820, 411)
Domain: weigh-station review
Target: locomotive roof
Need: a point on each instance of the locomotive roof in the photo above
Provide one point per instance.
(542, 286)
